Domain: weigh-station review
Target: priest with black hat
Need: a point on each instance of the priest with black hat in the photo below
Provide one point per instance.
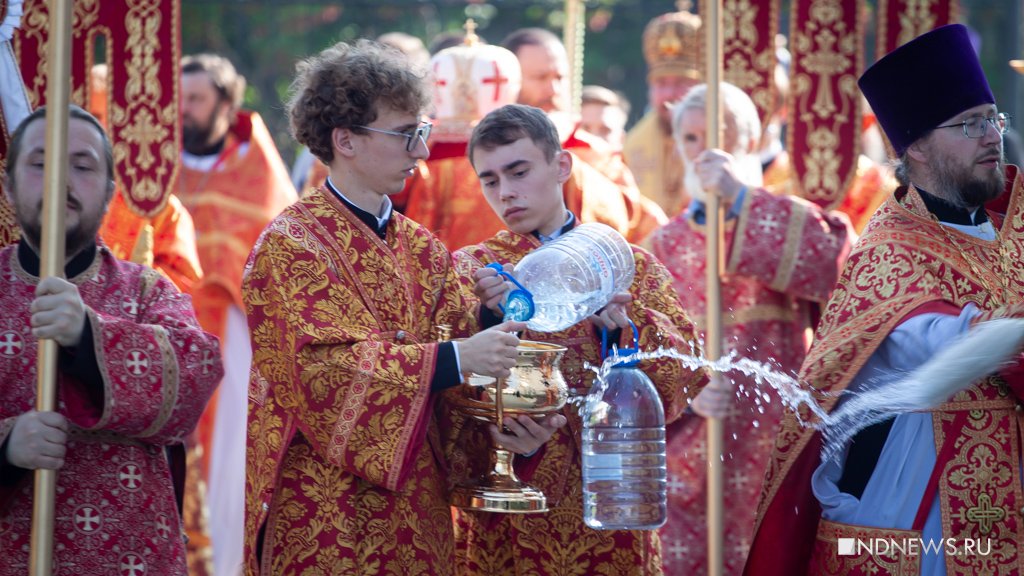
(935, 489)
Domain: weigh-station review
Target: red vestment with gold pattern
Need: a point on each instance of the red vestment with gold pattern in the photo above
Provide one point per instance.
(906, 260)
(558, 542)
(784, 256)
(115, 504)
(166, 242)
(869, 187)
(344, 469)
(230, 205)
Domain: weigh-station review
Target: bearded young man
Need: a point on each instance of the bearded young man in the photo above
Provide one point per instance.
(783, 256)
(134, 373)
(233, 183)
(941, 255)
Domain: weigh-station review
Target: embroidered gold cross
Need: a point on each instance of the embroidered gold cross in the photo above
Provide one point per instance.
(984, 514)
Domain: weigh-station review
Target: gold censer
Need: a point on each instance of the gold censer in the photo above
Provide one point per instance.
(535, 388)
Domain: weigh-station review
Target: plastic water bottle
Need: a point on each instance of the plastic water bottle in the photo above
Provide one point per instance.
(570, 278)
(624, 470)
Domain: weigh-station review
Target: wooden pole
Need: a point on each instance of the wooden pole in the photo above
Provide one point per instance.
(52, 259)
(713, 341)
(573, 38)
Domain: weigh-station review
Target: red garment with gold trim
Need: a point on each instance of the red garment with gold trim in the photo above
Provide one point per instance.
(230, 206)
(558, 542)
(340, 475)
(115, 506)
(870, 186)
(784, 256)
(166, 242)
(903, 261)
(643, 214)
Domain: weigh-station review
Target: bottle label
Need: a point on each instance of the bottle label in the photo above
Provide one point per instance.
(601, 264)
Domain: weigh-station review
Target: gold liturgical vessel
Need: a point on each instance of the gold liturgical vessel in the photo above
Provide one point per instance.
(535, 388)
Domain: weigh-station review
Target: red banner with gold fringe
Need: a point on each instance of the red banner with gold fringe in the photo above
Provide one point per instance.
(142, 44)
(900, 21)
(824, 126)
(748, 49)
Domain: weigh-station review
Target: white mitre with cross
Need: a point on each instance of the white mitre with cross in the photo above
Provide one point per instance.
(470, 81)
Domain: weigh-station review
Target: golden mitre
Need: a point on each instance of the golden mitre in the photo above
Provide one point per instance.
(674, 45)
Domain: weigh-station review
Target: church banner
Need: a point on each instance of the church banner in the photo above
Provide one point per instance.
(140, 42)
(900, 21)
(748, 44)
(824, 124)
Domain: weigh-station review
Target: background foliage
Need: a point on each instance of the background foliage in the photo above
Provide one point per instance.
(264, 38)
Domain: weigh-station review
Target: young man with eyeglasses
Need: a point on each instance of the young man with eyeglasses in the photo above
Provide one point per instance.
(345, 465)
(941, 255)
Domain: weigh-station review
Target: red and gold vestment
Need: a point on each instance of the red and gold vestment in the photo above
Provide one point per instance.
(344, 472)
(558, 542)
(906, 260)
(783, 258)
(115, 503)
(166, 242)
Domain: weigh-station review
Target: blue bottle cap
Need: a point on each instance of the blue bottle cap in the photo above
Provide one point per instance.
(519, 306)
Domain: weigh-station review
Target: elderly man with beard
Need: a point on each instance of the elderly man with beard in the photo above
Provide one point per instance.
(941, 255)
(783, 256)
(134, 373)
(233, 183)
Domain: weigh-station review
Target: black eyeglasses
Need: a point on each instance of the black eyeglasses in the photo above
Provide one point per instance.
(976, 126)
(420, 134)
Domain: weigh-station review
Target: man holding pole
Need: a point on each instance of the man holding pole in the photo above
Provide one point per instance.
(134, 373)
(783, 256)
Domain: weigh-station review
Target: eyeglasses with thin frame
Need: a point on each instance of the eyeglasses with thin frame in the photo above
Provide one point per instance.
(976, 126)
(422, 132)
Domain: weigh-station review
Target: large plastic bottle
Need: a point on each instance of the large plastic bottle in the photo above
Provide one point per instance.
(624, 468)
(570, 278)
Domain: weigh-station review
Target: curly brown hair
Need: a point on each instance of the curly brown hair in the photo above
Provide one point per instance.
(345, 86)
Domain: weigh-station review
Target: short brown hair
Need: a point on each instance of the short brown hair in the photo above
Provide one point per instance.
(512, 122)
(74, 113)
(230, 85)
(345, 86)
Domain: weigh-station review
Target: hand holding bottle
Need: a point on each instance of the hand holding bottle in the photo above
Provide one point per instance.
(613, 315)
(491, 287)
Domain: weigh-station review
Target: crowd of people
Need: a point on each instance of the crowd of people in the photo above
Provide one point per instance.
(275, 330)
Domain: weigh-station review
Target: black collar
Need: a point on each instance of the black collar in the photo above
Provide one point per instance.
(213, 149)
(369, 219)
(951, 214)
(29, 260)
(570, 223)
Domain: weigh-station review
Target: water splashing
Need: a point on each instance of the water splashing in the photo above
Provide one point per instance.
(973, 356)
(790, 390)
